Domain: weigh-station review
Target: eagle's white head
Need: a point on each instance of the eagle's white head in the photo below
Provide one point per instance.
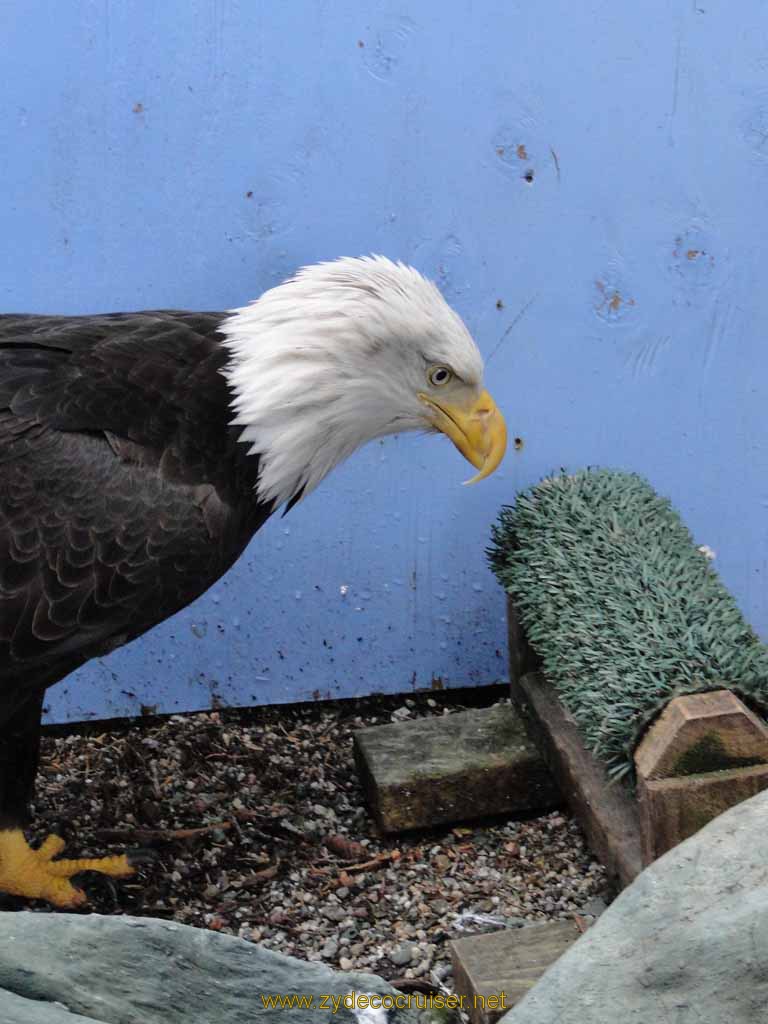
(343, 353)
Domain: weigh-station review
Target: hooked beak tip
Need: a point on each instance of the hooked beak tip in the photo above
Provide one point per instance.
(479, 432)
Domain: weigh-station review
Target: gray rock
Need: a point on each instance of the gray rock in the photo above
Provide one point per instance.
(17, 1010)
(594, 907)
(404, 954)
(334, 913)
(686, 942)
(79, 969)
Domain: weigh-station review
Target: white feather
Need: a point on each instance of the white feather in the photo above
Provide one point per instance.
(333, 358)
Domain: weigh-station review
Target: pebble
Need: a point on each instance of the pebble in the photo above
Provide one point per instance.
(269, 877)
(334, 913)
(595, 906)
(404, 954)
(400, 714)
(422, 968)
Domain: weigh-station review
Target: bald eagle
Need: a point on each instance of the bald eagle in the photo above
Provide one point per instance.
(140, 452)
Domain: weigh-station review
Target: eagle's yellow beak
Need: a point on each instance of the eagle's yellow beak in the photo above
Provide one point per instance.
(478, 431)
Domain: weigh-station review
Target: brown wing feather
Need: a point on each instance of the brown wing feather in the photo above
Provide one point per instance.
(123, 491)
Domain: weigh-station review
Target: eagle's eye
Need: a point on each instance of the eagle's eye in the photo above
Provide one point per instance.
(439, 375)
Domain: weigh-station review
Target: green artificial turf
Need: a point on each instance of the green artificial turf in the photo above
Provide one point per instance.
(623, 608)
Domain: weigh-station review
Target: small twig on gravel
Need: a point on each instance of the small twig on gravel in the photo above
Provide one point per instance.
(155, 780)
(259, 877)
(278, 824)
(225, 756)
(160, 835)
(259, 859)
(378, 861)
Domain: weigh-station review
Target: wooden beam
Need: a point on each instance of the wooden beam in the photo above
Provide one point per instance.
(432, 771)
(705, 753)
(606, 811)
(493, 972)
(702, 732)
(671, 810)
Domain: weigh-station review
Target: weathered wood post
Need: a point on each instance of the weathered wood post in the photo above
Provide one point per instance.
(705, 753)
(605, 810)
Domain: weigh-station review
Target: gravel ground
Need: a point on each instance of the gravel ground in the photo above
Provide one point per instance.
(259, 828)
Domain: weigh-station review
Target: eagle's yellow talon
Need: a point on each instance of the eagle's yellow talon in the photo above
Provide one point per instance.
(33, 873)
(50, 847)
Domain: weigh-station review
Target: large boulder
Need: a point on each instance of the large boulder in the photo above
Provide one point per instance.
(73, 969)
(686, 942)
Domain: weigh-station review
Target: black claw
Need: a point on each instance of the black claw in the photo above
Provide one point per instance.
(107, 883)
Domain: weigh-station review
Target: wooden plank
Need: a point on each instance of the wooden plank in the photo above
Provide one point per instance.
(673, 809)
(705, 753)
(605, 810)
(434, 771)
(493, 972)
(702, 732)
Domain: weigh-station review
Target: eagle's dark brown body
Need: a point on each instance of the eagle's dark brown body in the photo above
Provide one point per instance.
(124, 494)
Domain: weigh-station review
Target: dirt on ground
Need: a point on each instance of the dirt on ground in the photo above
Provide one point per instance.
(258, 827)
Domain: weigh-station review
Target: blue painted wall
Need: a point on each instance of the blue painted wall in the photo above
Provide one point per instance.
(193, 152)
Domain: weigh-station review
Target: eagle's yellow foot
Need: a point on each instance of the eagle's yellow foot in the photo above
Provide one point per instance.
(36, 875)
